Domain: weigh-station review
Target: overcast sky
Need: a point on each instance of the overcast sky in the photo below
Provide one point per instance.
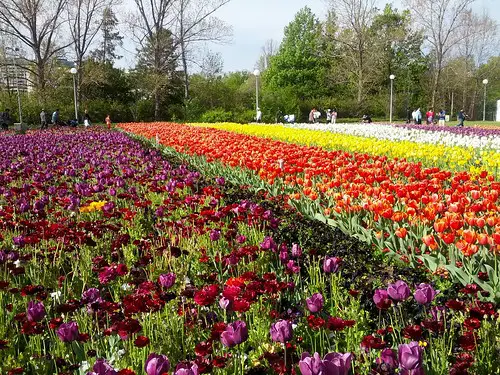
(255, 21)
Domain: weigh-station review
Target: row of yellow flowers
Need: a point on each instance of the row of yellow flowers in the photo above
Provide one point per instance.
(447, 157)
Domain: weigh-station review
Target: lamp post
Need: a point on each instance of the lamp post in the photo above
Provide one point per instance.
(485, 83)
(256, 73)
(391, 77)
(19, 107)
(74, 71)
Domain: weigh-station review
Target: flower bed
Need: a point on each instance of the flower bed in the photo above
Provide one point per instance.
(372, 142)
(446, 221)
(115, 261)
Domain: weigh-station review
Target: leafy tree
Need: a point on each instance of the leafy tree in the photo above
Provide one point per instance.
(111, 38)
(299, 63)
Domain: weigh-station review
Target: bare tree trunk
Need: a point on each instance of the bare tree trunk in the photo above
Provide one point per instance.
(185, 69)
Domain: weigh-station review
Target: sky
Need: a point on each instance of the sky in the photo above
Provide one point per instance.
(256, 21)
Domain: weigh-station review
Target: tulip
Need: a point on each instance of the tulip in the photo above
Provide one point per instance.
(331, 364)
(68, 332)
(234, 334)
(215, 234)
(269, 244)
(166, 280)
(398, 291)
(35, 311)
(296, 251)
(315, 303)
(425, 294)
(381, 299)
(389, 357)
(281, 331)
(225, 303)
(331, 264)
(157, 364)
(186, 369)
(410, 357)
(101, 367)
(91, 295)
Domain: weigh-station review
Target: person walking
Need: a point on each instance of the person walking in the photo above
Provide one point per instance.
(461, 118)
(430, 116)
(311, 115)
(43, 120)
(418, 116)
(259, 116)
(442, 117)
(5, 119)
(108, 122)
(86, 119)
(334, 116)
(329, 115)
(55, 117)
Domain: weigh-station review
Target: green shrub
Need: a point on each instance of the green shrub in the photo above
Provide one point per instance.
(216, 115)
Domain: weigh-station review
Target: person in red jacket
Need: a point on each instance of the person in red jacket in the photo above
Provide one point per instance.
(430, 116)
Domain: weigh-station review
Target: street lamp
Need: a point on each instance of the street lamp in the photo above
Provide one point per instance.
(15, 50)
(392, 76)
(74, 71)
(256, 73)
(485, 83)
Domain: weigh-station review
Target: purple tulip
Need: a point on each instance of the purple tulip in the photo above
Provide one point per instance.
(167, 280)
(315, 303)
(101, 367)
(157, 364)
(331, 364)
(281, 331)
(225, 303)
(240, 238)
(292, 266)
(35, 311)
(68, 332)
(91, 295)
(18, 241)
(389, 357)
(220, 180)
(186, 369)
(235, 334)
(398, 291)
(296, 251)
(331, 264)
(381, 299)
(410, 357)
(283, 254)
(215, 234)
(269, 244)
(425, 294)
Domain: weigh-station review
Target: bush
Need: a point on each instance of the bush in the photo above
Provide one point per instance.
(216, 115)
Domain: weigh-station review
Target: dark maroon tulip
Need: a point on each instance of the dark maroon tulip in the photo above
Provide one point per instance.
(235, 334)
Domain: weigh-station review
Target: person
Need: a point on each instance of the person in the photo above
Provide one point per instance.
(108, 121)
(461, 118)
(317, 115)
(259, 115)
(86, 119)
(5, 119)
(329, 115)
(442, 117)
(311, 115)
(289, 119)
(334, 116)
(72, 122)
(430, 116)
(55, 117)
(414, 116)
(43, 119)
(367, 119)
(418, 116)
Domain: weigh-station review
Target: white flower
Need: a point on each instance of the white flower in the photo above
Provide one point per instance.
(55, 295)
(126, 287)
(84, 366)
(17, 263)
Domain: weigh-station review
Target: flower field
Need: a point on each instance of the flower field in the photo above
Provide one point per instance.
(204, 255)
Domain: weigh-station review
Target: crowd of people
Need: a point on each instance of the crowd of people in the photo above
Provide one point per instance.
(54, 120)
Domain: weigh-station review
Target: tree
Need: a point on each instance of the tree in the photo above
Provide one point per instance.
(194, 23)
(442, 24)
(157, 62)
(111, 38)
(355, 36)
(84, 26)
(299, 62)
(35, 24)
